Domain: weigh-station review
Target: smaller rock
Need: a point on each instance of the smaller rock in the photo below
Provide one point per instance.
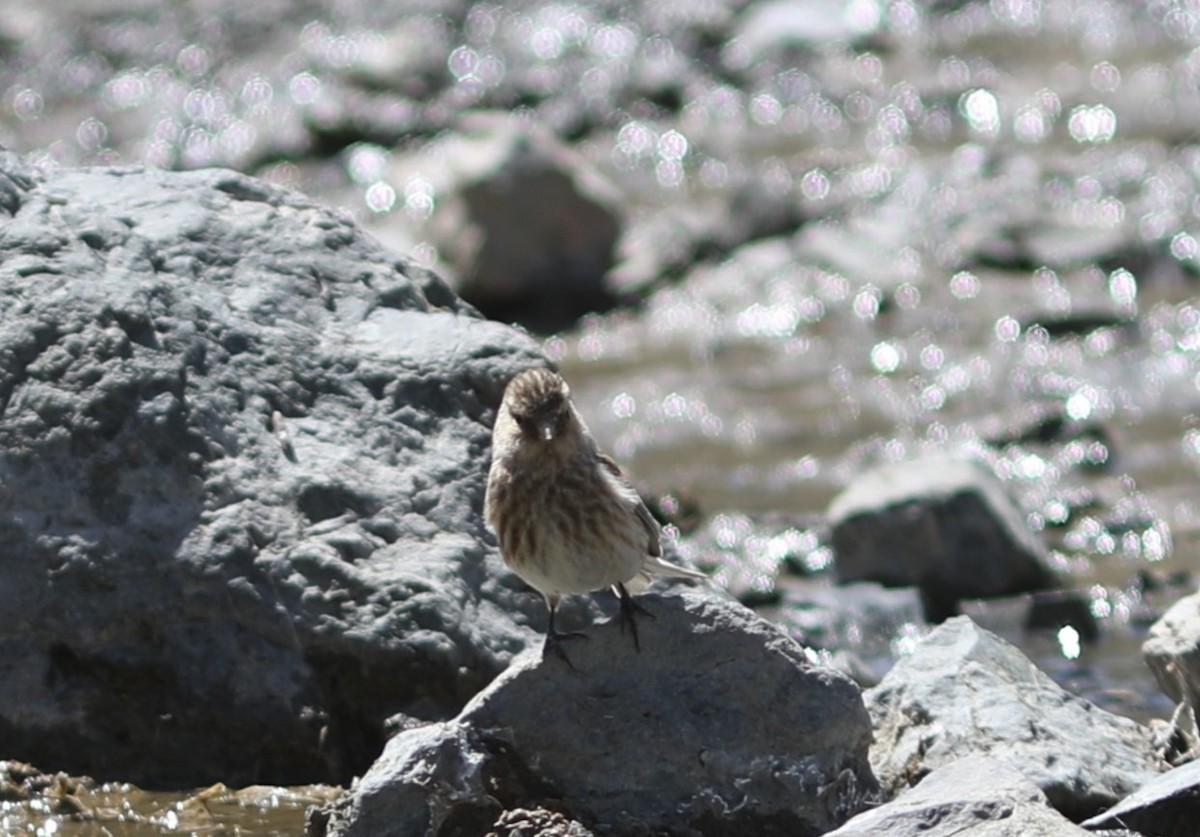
(522, 822)
(1168, 806)
(965, 691)
(1172, 651)
(526, 226)
(977, 795)
(719, 725)
(941, 523)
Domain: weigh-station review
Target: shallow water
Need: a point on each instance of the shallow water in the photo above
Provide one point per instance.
(46, 805)
(973, 225)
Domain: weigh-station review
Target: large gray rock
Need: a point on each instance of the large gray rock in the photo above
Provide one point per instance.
(719, 726)
(964, 691)
(242, 454)
(1167, 806)
(941, 523)
(1172, 650)
(978, 796)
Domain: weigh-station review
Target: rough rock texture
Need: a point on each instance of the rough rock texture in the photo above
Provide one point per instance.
(242, 452)
(976, 795)
(527, 227)
(964, 691)
(940, 523)
(1172, 650)
(719, 726)
(1167, 806)
(538, 822)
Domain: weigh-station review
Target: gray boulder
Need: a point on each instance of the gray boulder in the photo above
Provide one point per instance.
(964, 691)
(719, 726)
(1172, 650)
(1167, 806)
(242, 458)
(941, 523)
(978, 796)
(528, 228)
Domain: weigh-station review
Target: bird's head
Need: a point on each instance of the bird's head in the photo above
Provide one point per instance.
(539, 402)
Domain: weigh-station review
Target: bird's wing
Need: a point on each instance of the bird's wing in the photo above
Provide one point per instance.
(653, 544)
(654, 565)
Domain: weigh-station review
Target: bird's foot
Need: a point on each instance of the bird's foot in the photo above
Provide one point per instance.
(629, 611)
(554, 645)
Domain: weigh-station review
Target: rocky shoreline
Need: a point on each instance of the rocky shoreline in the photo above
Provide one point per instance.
(244, 450)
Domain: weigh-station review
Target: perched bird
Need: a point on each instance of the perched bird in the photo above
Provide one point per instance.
(566, 519)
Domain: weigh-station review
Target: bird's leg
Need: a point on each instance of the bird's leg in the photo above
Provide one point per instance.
(629, 610)
(554, 638)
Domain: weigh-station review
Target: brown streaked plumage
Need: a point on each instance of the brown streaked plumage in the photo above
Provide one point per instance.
(566, 519)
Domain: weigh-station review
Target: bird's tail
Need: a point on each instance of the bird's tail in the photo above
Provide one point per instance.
(654, 567)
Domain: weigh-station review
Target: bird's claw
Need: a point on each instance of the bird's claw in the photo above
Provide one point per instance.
(553, 645)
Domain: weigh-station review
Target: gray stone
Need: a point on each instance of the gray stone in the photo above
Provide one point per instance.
(941, 523)
(242, 459)
(719, 726)
(539, 822)
(978, 796)
(1172, 650)
(528, 228)
(1167, 806)
(964, 691)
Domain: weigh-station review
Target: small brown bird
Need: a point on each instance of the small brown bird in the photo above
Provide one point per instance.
(567, 520)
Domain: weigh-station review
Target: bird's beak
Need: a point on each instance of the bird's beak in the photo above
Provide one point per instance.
(546, 430)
